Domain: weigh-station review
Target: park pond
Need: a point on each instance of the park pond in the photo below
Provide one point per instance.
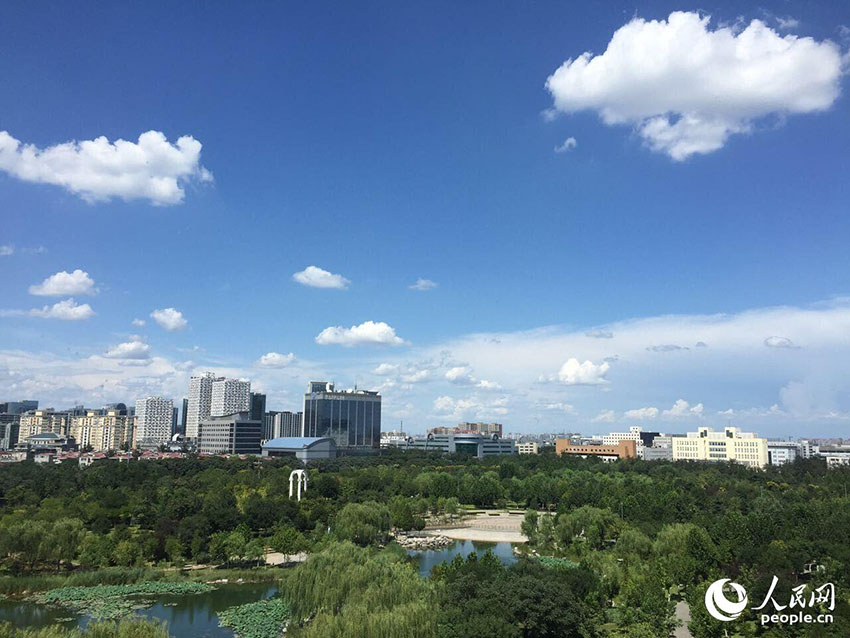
(196, 614)
(187, 615)
(428, 558)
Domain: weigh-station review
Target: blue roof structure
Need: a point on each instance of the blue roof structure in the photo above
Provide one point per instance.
(294, 441)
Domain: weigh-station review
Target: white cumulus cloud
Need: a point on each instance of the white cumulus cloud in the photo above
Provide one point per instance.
(139, 323)
(169, 319)
(99, 170)
(67, 310)
(6, 250)
(686, 88)
(133, 349)
(275, 360)
(65, 283)
(319, 278)
(682, 408)
(367, 333)
(588, 373)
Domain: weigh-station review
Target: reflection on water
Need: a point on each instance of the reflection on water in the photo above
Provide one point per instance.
(430, 557)
(191, 616)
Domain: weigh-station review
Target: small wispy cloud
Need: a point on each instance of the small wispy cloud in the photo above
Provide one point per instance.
(423, 284)
(569, 144)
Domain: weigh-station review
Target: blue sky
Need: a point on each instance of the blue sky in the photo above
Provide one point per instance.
(392, 142)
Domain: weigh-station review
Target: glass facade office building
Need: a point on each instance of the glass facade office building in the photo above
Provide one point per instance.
(352, 418)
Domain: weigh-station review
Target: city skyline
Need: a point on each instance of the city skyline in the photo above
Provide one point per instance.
(472, 232)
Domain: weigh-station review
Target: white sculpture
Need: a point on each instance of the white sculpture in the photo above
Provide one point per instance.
(300, 476)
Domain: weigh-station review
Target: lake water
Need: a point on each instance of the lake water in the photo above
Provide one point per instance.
(190, 616)
(430, 557)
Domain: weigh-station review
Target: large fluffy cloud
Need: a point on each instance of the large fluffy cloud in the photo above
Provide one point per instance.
(574, 372)
(99, 170)
(367, 333)
(65, 283)
(169, 319)
(316, 277)
(686, 87)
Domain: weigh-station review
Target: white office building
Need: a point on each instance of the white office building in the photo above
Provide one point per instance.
(730, 445)
(782, 452)
(198, 402)
(230, 396)
(154, 417)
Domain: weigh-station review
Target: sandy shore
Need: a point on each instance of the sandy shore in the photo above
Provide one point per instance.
(484, 535)
(504, 528)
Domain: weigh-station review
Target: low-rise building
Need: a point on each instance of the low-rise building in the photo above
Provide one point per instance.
(835, 456)
(46, 443)
(471, 443)
(625, 449)
(529, 447)
(731, 444)
(782, 452)
(661, 453)
(393, 438)
(642, 439)
(304, 448)
(231, 434)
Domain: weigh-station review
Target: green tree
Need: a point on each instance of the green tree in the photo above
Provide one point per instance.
(362, 523)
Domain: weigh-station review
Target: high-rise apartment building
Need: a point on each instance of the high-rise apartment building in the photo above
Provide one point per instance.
(198, 402)
(277, 424)
(230, 396)
(154, 418)
(730, 445)
(100, 431)
(351, 417)
(44, 421)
